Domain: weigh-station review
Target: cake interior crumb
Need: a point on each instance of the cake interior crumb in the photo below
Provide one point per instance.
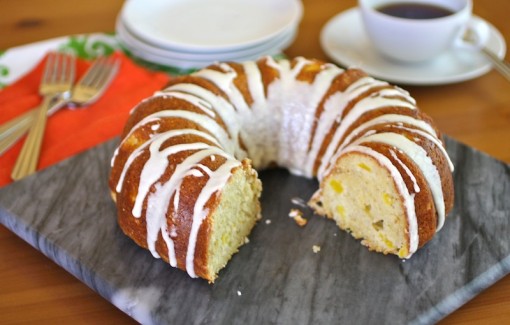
(297, 215)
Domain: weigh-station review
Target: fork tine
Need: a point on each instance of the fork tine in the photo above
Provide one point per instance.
(62, 67)
(109, 66)
(105, 66)
(48, 68)
(57, 65)
(95, 69)
(96, 80)
(68, 67)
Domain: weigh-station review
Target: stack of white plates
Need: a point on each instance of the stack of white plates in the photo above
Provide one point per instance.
(195, 33)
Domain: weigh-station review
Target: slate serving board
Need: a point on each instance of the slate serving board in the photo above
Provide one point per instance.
(65, 212)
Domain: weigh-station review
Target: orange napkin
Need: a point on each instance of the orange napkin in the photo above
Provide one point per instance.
(70, 131)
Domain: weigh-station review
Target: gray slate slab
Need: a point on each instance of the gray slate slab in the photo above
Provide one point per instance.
(66, 212)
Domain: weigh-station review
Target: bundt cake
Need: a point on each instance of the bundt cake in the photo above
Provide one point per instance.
(184, 178)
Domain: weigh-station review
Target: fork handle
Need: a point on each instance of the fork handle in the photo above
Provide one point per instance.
(26, 163)
(12, 131)
(24, 120)
(7, 140)
(20, 121)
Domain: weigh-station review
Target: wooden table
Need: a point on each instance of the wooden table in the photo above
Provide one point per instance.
(34, 289)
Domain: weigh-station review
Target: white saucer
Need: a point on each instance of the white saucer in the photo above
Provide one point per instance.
(344, 40)
(208, 26)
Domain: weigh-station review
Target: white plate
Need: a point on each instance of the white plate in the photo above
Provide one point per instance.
(17, 61)
(204, 25)
(133, 43)
(344, 40)
(195, 64)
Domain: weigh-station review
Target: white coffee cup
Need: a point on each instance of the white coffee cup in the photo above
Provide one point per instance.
(418, 40)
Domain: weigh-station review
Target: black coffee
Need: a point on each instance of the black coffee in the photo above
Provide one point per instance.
(414, 10)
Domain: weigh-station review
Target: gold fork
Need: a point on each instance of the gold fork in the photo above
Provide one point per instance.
(57, 80)
(88, 89)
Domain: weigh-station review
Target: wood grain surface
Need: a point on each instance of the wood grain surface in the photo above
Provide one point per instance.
(35, 290)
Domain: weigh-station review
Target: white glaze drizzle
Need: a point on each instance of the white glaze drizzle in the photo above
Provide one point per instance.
(395, 120)
(177, 197)
(298, 105)
(375, 101)
(194, 172)
(416, 187)
(262, 120)
(156, 166)
(216, 181)
(197, 101)
(433, 139)
(259, 125)
(161, 137)
(227, 114)
(114, 157)
(158, 201)
(223, 138)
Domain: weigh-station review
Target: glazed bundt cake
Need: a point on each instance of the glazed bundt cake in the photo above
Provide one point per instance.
(184, 175)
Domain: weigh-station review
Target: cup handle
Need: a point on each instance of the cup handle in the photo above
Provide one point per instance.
(474, 35)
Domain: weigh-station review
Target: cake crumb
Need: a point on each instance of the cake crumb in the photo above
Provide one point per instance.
(239, 293)
(246, 240)
(268, 221)
(297, 215)
(316, 248)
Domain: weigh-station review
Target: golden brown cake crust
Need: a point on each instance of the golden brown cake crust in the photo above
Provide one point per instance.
(179, 220)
